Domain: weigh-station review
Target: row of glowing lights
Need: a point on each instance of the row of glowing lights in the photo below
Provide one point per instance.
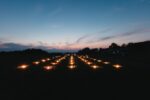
(72, 63)
(116, 66)
(25, 66)
(92, 65)
(53, 65)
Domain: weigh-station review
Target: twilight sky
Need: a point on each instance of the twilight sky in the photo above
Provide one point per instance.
(72, 24)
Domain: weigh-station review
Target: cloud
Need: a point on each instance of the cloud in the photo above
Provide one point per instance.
(136, 31)
(107, 38)
(132, 32)
(17, 47)
(82, 38)
(12, 47)
(42, 43)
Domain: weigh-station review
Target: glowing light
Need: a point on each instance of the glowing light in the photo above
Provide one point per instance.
(23, 66)
(36, 62)
(117, 66)
(89, 63)
(106, 62)
(48, 59)
(48, 67)
(72, 66)
(58, 61)
(84, 60)
(54, 63)
(43, 60)
(94, 59)
(72, 63)
(95, 66)
(99, 60)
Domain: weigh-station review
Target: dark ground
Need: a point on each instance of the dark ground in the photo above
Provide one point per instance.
(128, 83)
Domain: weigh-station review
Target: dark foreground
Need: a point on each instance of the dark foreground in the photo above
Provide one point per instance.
(81, 83)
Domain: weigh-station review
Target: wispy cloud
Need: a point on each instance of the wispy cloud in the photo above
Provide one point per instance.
(82, 38)
(107, 38)
(44, 46)
(128, 33)
(12, 46)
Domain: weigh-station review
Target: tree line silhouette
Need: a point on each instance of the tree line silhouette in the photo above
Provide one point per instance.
(131, 52)
(135, 52)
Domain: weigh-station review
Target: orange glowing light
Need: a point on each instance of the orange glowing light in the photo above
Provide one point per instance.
(54, 63)
(58, 61)
(72, 66)
(72, 62)
(48, 67)
(117, 66)
(23, 66)
(89, 63)
(36, 62)
(95, 66)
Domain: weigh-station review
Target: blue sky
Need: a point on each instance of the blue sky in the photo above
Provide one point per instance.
(73, 24)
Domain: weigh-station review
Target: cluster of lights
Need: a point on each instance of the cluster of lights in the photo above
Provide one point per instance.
(25, 66)
(92, 62)
(57, 61)
(97, 60)
(53, 64)
(92, 65)
(72, 63)
(45, 60)
(84, 59)
(56, 57)
(42, 60)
